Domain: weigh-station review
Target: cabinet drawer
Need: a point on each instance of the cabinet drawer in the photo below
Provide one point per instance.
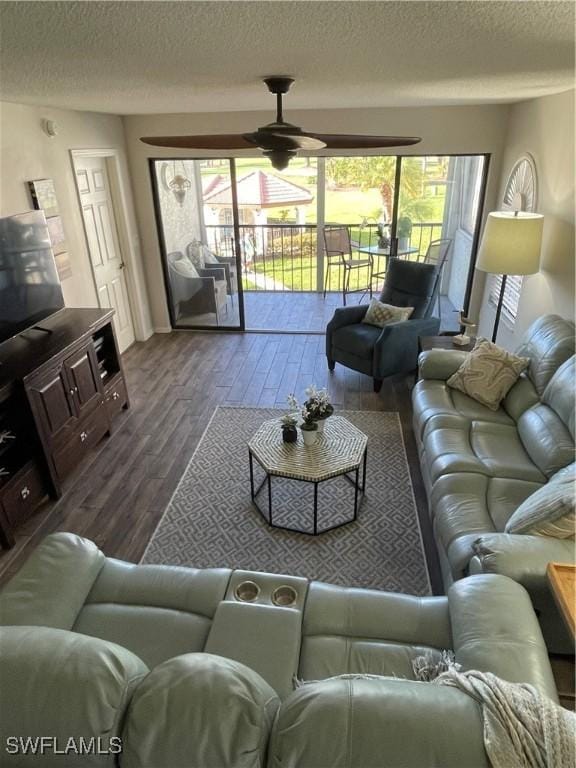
(116, 397)
(86, 434)
(23, 494)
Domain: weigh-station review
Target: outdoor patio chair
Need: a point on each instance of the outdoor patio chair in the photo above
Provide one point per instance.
(199, 293)
(393, 349)
(338, 249)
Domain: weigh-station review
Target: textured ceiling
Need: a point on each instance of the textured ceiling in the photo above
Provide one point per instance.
(150, 57)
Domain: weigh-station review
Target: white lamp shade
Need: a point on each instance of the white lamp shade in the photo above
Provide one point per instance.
(511, 244)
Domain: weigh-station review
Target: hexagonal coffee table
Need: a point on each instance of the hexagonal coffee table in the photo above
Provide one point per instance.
(341, 450)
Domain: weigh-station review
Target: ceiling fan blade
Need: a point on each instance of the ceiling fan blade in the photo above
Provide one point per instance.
(353, 141)
(279, 140)
(214, 141)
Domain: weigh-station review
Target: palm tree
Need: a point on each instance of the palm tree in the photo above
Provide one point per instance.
(379, 173)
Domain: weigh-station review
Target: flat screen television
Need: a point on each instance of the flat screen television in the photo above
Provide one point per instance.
(30, 289)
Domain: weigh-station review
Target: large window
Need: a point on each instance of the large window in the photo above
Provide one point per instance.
(240, 238)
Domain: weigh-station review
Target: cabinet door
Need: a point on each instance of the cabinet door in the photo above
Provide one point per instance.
(84, 377)
(52, 402)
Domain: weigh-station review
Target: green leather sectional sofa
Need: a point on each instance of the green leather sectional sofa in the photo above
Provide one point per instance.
(480, 465)
(187, 675)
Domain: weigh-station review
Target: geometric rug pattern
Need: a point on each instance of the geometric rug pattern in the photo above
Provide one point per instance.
(211, 521)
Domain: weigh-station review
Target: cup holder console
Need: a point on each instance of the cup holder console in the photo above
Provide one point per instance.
(267, 589)
(247, 592)
(284, 596)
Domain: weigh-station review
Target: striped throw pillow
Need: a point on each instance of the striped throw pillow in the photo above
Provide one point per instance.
(549, 511)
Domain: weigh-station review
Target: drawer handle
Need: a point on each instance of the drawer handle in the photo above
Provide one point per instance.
(115, 396)
(83, 436)
(25, 492)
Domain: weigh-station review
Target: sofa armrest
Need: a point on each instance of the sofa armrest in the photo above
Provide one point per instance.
(213, 270)
(396, 350)
(440, 363)
(51, 587)
(521, 557)
(495, 629)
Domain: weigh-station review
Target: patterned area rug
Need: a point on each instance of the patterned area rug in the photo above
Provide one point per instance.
(211, 520)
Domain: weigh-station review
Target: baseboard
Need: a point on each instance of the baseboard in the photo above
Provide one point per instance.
(163, 329)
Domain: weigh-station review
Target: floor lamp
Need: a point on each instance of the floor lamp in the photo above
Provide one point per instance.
(510, 245)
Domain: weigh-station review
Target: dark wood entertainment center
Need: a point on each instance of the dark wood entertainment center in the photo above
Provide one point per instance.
(61, 387)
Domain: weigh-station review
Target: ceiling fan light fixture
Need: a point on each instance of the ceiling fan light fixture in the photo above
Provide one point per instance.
(280, 157)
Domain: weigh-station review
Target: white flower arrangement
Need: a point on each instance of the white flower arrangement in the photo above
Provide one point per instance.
(318, 402)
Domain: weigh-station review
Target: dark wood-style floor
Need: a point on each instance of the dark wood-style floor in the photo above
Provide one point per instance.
(175, 381)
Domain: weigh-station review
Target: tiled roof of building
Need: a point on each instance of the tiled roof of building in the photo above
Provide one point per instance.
(257, 189)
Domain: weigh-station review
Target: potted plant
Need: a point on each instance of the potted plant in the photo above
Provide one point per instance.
(319, 405)
(309, 427)
(404, 232)
(289, 428)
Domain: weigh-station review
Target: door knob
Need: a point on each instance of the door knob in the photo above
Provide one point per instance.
(122, 265)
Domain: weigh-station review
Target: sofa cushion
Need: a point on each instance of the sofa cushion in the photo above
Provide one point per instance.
(546, 439)
(62, 684)
(521, 396)
(488, 373)
(479, 447)
(155, 611)
(200, 710)
(358, 339)
(365, 631)
(550, 511)
(465, 505)
(548, 343)
(432, 397)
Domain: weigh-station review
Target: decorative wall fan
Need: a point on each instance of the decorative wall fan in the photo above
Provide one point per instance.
(279, 140)
(521, 192)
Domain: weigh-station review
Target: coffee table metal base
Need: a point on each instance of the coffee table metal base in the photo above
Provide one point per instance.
(359, 492)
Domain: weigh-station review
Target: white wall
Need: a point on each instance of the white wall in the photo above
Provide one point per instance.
(444, 130)
(545, 128)
(27, 153)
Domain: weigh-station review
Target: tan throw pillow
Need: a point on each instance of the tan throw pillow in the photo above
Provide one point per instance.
(380, 314)
(549, 511)
(488, 373)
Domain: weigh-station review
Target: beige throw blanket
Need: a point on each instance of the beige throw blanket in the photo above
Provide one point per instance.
(522, 728)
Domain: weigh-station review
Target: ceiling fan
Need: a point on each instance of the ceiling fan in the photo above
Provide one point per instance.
(280, 141)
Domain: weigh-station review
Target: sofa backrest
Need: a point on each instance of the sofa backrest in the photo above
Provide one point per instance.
(548, 342)
(547, 429)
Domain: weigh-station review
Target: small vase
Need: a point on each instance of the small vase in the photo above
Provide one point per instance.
(310, 436)
(289, 433)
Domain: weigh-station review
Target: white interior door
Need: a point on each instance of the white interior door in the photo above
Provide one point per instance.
(102, 235)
